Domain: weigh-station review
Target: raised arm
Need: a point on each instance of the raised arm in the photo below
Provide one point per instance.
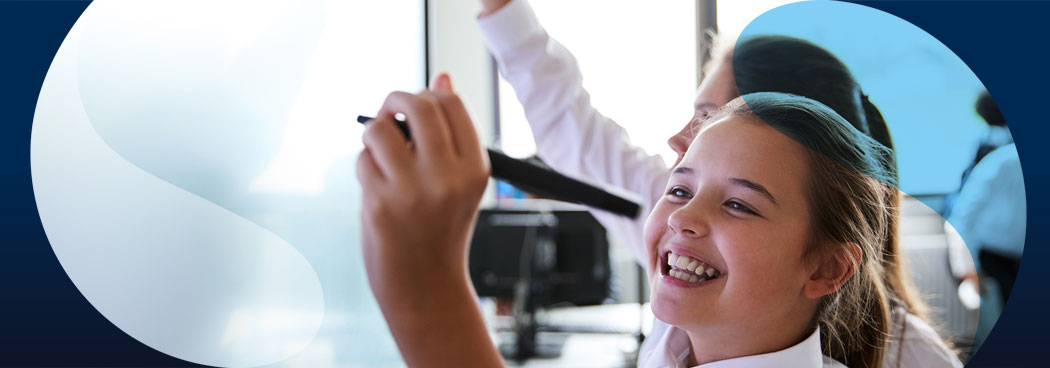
(491, 6)
(419, 205)
(571, 135)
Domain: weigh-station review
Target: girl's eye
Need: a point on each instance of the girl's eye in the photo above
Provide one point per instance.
(679, 192)
(737, 206)
(703, 115)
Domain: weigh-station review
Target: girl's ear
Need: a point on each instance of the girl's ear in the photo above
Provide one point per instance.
(833, 270)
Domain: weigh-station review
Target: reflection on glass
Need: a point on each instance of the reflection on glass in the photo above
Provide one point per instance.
(244, 112)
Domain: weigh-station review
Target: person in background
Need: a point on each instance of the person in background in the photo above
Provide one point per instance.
(998, 135)
(986, 219)
(987, 226)
(990, 215)
(574, 138)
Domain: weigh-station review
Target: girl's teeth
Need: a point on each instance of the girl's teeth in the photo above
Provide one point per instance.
(698, 271)
(682, 262)
(686, 276)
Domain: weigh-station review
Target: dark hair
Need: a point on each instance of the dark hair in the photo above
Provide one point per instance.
(816, 126)
(774, 63)
(989, 110)
(848, 187)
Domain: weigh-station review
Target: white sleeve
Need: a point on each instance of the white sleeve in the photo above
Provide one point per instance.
(571, 135)
(920, 346)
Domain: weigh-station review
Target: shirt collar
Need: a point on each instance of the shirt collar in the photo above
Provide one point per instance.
(672, 348)
(804, 354)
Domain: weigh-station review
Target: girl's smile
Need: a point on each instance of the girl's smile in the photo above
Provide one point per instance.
(679, 268)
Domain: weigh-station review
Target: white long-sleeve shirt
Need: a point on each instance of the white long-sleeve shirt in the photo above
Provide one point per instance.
(574, 138)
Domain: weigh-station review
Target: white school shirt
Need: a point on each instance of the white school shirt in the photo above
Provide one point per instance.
(574, 138)
(802, 355)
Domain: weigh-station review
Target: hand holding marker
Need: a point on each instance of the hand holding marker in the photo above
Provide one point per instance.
(422, 199)
(545, 182)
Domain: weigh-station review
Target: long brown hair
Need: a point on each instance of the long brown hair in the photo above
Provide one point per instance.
(775, 63)
(850, 190)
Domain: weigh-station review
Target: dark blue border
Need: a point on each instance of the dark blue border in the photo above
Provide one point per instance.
(45, 321)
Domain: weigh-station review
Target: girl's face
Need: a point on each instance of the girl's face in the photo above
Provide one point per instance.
(733, 224)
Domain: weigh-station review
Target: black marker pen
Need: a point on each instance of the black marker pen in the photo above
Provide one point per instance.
(546, 182)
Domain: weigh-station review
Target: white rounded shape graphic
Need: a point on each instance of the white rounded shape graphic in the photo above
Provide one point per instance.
(171, 268)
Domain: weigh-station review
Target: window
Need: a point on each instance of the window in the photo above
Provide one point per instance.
(733, 16)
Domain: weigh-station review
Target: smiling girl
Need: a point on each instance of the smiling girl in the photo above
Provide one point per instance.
(763, 251)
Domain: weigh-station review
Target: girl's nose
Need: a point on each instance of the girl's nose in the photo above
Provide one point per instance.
(681, 140)
(688, 221)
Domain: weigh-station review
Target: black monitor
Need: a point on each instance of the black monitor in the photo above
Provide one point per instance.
(564, 253)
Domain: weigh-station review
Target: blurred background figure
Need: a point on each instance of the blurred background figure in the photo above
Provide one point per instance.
(987, 219)
(998, 135)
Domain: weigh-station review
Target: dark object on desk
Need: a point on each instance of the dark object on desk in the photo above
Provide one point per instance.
(1002, 269)
(546, 182)
(539, 258)
(569, 255)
